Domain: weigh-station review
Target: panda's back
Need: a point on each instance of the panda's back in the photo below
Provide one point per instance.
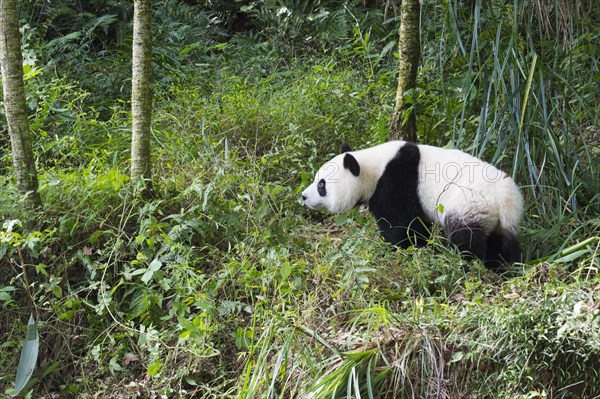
(453, 183)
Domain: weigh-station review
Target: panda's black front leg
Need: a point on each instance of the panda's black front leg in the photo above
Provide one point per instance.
(405, 234)
(394, 234)
(395, 202)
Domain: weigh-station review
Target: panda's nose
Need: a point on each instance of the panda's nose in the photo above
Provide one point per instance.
(303, 197)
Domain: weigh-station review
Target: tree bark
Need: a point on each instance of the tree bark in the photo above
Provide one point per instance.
(141, 92)
(409, 53)
(11, 65)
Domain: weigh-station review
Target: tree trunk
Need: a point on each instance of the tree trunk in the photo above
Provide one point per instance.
(141, 91)
(402, 128)
(11, 65)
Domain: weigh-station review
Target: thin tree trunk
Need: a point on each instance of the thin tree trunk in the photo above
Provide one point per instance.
(11, 65)
(410, 51)
(141, 93)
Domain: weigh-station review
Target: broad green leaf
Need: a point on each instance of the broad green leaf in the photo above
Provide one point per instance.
(57, 291)
(457, 357)
(285, 270)
(153, 267)
(10, 224)
(154, 368)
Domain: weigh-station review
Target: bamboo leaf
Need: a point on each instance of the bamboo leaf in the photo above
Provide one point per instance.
(570, 253)
(572, 256)
(29, 356)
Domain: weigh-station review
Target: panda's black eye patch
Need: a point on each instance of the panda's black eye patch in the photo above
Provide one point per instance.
(321, 188)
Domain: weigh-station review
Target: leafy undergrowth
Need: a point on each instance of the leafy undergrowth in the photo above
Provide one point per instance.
(225, 286)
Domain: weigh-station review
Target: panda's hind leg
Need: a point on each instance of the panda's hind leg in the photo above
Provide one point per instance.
(469, 238)
(502, 249)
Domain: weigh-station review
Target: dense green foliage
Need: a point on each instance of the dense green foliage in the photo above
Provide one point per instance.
(224, 285)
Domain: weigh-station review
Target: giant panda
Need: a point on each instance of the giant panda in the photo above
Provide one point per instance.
(408, 187)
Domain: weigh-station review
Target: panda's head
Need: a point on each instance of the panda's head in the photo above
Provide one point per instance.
(337, 186)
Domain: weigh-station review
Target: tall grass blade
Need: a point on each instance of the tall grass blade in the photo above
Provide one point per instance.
(277, 368)
(523, 110)
(318, 338)
(454, 24)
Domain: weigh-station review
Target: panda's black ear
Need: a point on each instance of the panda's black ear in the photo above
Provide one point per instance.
(351, 164)
(346, 147)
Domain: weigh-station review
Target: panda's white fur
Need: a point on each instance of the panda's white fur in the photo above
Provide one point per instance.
(451, 187)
